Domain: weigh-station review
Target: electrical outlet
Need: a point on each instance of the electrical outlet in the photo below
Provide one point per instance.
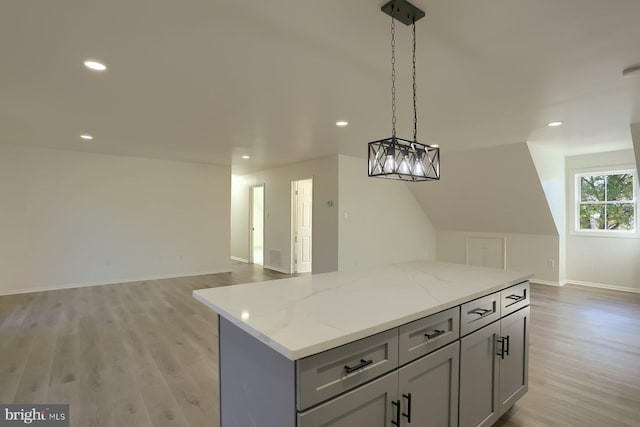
(551, 263)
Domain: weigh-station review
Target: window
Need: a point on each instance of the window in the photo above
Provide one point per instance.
(606, 201)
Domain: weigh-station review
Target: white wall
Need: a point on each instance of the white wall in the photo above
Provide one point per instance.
(277, 205)
(494, 189)
(602, 261)
(239, 218)
(72, 219)
(524, 252)
(380, 220)
(550, 165)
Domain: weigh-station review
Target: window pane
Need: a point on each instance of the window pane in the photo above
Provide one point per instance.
(620, 187)
(620, 216)
(592, 188)
(591, 217)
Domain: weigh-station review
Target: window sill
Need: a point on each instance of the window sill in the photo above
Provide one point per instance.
(606, 234)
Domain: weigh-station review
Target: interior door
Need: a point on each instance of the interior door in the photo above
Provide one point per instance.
(303, 225)
(256, 230)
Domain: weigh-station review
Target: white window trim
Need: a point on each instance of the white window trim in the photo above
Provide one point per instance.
(574, 219)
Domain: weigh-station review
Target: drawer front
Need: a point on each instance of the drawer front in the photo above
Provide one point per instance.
(428, 334)
(478, 313)
(335, 371)
(514, 298)
(371, 405)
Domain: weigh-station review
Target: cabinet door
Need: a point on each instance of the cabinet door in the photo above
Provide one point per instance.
(429, 389)
(370, 405)
(479, 404)
(514, 367)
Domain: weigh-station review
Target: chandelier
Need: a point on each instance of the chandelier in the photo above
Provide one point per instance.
(397, 158)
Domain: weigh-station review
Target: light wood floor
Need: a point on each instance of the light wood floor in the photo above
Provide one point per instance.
(584, 359)
(144, 354)
(135, 354)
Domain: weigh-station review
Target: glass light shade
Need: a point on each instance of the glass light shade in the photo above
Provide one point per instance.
(401, 159)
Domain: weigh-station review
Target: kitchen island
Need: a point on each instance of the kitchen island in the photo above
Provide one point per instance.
(385, 346)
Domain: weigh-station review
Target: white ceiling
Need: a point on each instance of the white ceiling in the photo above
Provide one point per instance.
(209, 81)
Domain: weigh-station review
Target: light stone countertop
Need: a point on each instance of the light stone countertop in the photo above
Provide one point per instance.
(305, 315)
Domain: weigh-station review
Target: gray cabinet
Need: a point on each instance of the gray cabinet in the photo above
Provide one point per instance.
(479, 312)
(479, 377)
(332, 372)
(514, 367)
(424, 392)
(373, 404)
(464, 366)
(428, 389)
(428, 334)
(493, 369)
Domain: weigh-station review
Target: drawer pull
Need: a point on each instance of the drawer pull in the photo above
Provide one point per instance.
(362, 364)
(434, 334)
(408, 414)
(480, 311)
(396, 422)
(516, 298)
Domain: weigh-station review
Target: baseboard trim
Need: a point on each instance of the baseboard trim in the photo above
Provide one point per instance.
(547, 282)
(278, 269)
(604, 286)
(108, 282)
(235, 258)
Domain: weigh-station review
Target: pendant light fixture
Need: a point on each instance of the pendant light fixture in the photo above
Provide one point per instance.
(397, 158)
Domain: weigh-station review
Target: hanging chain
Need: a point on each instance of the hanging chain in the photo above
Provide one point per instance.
(393, 76)
(415, 109)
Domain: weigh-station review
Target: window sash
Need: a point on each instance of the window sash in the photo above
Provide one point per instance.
(606, 202)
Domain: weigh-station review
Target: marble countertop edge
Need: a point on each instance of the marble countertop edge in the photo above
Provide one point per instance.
(310, 346)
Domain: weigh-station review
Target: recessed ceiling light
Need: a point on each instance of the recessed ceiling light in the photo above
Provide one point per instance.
(632, 71)
(95, 66)
(342, 123)
(435, 145)
(246, 157)
(554, 124)
(86, 136)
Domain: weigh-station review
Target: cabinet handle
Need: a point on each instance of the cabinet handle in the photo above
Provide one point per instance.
(396, 422)
(408, 414)
(516, 298)
(434, 334)
(504, 347)
(480, 311)
(362, 364)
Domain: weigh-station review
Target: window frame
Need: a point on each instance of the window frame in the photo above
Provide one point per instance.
(577, 202)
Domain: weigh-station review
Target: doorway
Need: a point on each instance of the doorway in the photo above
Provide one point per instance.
(301, 220)
(256, 224)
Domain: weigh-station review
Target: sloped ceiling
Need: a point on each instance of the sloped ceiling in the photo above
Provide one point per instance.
(211, 80)
(493, 190)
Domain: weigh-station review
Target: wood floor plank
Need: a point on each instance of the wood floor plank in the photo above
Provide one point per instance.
(34, 381)
(584, 360)
(145, 354)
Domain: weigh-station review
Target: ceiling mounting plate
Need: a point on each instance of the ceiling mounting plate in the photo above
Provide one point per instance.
(403, 11)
